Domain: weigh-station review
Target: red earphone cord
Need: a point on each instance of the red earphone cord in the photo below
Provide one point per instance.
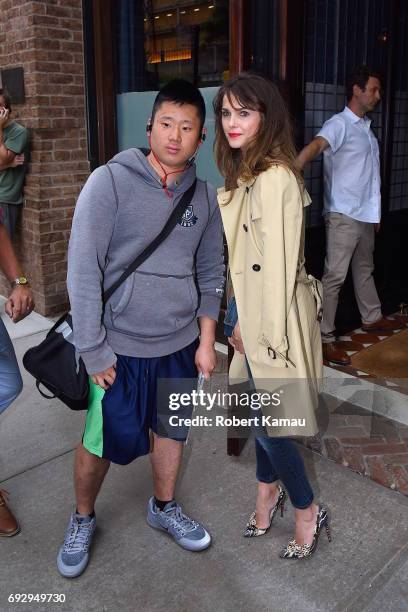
(166, 174)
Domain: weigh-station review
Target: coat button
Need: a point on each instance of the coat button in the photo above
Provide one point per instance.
(256, 267)
(245, 227)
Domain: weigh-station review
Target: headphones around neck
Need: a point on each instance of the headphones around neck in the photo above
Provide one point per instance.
(149, 129)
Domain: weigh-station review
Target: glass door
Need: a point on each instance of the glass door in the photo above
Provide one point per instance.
(158, 40)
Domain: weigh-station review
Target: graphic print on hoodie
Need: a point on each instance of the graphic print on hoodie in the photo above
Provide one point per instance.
(155, 310)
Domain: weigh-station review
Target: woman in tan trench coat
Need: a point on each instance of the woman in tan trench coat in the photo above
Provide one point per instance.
(276, 337)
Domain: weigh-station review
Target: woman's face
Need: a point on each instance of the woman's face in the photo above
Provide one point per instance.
(240, 124)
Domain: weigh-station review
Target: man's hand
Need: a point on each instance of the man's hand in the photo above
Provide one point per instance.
(4, 115)
(106, 378)
(377, 227)
(20, 303)
(18, 160)
(236, 339)
(206, 359)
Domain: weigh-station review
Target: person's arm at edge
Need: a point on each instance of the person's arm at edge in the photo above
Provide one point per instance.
(18, 160)
(20, 302)
(8, 259)
(6, 155)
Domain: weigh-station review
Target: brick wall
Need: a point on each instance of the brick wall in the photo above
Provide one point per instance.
(45, 38)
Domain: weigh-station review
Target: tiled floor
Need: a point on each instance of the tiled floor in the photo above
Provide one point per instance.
(358, 340)
(369, 444)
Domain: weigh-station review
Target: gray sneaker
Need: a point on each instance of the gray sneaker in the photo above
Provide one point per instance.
(187, 533)
(73, 556)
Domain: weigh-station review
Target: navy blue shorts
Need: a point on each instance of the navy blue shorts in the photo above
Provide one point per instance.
(119, 420)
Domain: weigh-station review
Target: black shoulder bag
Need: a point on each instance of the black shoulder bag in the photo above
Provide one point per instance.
(54, 363)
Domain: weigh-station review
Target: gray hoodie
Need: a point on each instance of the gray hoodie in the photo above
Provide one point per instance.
(155, 311)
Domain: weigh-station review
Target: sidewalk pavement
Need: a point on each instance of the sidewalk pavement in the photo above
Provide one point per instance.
(135, 568)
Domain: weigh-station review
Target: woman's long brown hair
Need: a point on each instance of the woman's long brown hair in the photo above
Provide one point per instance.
(273, 143)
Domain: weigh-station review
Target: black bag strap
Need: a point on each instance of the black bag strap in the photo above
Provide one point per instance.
(171, 223)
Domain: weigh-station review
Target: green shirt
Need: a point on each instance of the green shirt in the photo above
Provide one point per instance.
(15, 138)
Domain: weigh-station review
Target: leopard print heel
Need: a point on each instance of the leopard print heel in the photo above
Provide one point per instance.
(251, 530)
(301, 551)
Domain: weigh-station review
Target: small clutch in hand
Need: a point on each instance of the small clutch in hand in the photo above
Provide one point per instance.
(231, 317)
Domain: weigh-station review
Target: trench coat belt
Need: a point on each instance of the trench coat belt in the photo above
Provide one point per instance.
(317, 291)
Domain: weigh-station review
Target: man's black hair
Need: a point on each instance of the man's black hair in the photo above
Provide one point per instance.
(181, 92)
(6, 97)
(359, 76)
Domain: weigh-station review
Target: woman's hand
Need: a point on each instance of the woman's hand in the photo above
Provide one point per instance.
(236, 339)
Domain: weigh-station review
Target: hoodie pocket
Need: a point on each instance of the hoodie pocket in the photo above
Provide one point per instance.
(153, 305)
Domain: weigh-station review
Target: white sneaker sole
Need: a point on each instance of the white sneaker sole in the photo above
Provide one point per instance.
(73, 571)
(191, 545)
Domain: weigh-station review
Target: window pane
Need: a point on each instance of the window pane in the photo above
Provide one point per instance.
(158, 40)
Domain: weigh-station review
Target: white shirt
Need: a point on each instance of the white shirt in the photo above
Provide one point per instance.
(351, 165)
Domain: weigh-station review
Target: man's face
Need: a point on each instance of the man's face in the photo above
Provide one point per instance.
(370, 96)
(175, 133)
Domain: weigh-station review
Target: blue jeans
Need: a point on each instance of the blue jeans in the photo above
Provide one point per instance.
(279, 459)
(11, 382)
(231, 317)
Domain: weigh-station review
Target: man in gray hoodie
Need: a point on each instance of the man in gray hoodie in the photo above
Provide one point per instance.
(160, 323)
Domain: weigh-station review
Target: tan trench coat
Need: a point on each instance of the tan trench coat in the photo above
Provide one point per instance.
(278, 303)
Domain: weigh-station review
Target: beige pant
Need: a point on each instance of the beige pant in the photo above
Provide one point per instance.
(348, 240)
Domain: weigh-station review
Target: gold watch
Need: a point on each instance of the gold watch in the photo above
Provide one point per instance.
(21, 280)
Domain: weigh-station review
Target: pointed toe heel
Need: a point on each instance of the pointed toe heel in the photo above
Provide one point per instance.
(252, 530)
(301, 551)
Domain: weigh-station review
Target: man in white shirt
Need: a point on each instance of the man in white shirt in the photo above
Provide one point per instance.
(352, 207)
